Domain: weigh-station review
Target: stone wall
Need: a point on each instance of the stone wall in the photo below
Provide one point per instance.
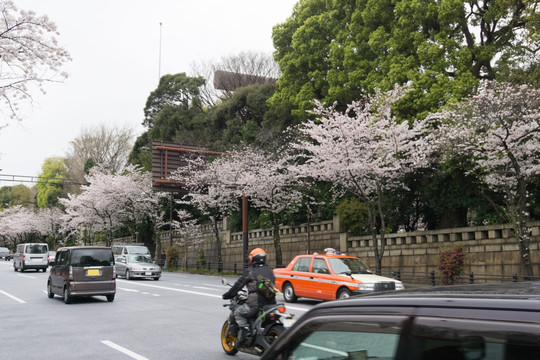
(491, 251)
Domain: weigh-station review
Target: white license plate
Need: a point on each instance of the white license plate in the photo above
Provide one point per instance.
(148, 273)
(288, 322)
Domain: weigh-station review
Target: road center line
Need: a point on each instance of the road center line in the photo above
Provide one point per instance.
(178, 290)
(124, 350)
(13, 297)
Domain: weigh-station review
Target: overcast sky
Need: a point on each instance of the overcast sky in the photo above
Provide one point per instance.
(115, 46)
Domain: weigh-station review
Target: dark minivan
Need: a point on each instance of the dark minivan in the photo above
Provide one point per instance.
(82, 271)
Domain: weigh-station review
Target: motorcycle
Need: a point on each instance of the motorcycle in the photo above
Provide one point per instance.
(266, 328)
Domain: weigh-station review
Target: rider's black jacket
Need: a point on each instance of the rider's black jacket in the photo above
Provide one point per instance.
(249, 279)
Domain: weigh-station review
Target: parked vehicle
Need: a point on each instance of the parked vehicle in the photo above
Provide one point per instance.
(329, 276)
(130, 249)
(5, 253)
(268, 326)
(137, 267)
(82, 271)
(52, 256)
(31, 256)
(488, 321)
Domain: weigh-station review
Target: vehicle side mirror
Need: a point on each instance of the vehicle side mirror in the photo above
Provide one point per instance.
(224, 281)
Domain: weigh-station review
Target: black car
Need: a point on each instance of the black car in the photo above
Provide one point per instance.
(473, 322)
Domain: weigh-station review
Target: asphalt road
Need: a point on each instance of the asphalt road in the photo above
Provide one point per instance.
(177, 317)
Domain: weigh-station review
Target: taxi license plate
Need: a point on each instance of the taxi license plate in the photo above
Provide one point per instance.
(148, 273)
(92, 272)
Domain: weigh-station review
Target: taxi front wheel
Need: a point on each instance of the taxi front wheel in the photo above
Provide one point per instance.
(288, 293)
(343, 293)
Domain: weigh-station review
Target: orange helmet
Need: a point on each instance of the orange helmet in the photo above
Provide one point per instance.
(257, 256)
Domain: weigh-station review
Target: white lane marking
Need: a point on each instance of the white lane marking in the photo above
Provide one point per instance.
(133, 290)
(204, 294)
(124, 350)
(203, 288)
(178, 290)
(27, 276)
(214, 285)
(13, 297)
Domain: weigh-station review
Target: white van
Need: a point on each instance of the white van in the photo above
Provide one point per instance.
(31, 256)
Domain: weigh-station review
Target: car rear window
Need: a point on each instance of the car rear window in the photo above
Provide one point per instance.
(92, 257)
(137, 250)
(37, 249)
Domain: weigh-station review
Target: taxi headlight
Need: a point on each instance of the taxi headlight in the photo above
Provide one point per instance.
(365, 287)
(399, 286)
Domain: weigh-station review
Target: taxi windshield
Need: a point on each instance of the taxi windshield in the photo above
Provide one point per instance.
(344, 265)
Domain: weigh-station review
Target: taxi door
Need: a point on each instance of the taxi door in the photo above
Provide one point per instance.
(300, 277)
(321, 281)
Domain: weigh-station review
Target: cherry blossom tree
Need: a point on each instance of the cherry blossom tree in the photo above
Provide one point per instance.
(261, 176)
(18, 223)
(111, 201)
(499, 130)
(212, 194)
(30, 55)
(363, 151)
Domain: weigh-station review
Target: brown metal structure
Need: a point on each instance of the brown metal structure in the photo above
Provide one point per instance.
(167, 158)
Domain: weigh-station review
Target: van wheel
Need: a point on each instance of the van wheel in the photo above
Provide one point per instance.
(49, 290)
(14, 267)
(67, 296)
(110, 298)
(128, 277)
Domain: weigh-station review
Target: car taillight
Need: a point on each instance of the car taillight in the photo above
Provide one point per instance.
(282, 309)
(70, 273)
(114, 272)
(23, 257)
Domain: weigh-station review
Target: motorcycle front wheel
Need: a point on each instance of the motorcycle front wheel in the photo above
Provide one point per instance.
(274, 333)
(228, 340)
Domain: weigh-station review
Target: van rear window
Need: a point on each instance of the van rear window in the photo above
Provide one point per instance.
(92, 257)
(37, 249)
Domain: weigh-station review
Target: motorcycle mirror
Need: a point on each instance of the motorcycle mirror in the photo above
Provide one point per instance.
(224, 281)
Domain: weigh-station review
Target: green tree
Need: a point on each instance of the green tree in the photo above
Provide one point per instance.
(173, 112)
(337, 50)
(51, 182)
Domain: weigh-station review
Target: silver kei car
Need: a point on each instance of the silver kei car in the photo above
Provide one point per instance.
(137, 267)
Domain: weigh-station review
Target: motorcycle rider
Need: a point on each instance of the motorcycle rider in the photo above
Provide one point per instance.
(255, 300)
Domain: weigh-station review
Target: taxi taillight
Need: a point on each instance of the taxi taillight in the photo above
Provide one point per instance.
(70, 273)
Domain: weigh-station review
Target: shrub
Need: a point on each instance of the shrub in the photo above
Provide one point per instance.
(451, 264)
(201, 259)
(172, 257)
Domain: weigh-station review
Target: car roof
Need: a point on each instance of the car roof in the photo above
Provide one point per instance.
(84, 247)
(495, 296)
(328, 256)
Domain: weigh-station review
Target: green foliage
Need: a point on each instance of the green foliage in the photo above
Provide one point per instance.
(334, 51)
(172, 256)
(451, 264)
(89, 164)
(50, 185)
(201, 258)
(353, 215)
(15, 195)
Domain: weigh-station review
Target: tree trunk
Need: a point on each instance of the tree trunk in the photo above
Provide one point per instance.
(277, 239)
(218, 245)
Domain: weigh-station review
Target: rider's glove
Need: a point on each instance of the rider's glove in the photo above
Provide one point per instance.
(226, 296)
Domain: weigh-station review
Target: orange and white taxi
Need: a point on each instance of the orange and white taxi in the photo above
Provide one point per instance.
(328, 277)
